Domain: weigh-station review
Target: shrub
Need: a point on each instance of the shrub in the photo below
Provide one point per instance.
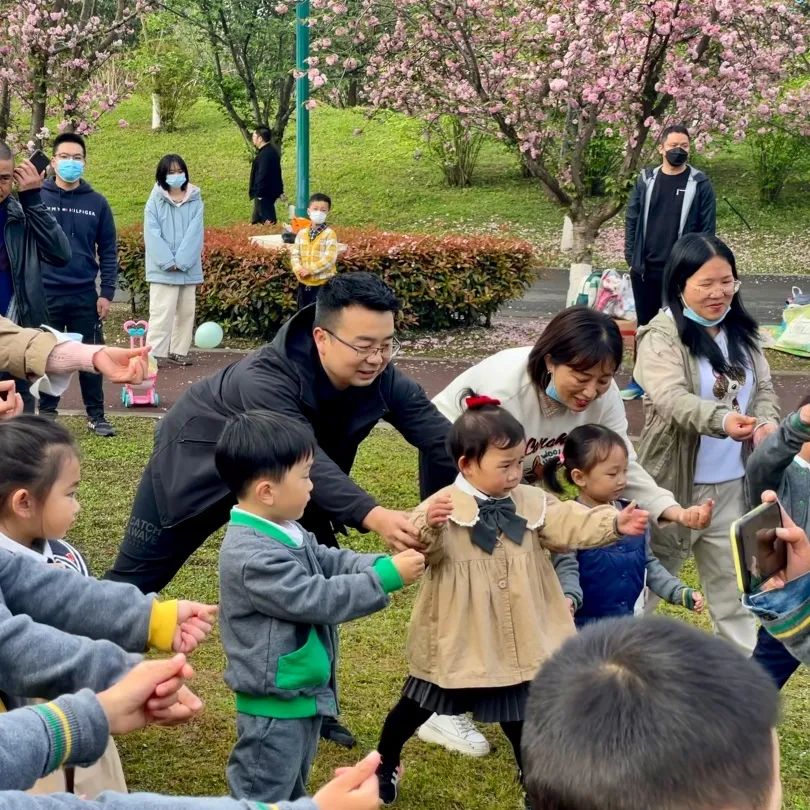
(442, 281)
(454, 146)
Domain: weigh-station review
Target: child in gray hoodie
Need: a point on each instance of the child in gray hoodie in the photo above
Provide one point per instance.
(282, 595)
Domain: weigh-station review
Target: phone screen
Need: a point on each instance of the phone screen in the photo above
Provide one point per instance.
(761, 554)
(40, 160)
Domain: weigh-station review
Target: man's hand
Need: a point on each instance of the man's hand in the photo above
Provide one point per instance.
(103, 307)
(353, 788)
(150, 687)
(763, 431)
(798, 549)
(439, 511)
(122, 365)
(698, 516)
(194, 622)
(11, 403)
(394, 527)
(410, 564)
(739, 426)
(27, 177)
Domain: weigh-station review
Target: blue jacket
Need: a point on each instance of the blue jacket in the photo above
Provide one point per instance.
(612, 578)
(86, 218)
(173, 236)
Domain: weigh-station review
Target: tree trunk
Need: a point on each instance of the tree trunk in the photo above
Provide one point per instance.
(583, 238)
(156, 120)
(39, 106)
(5, 109)
(353, 92)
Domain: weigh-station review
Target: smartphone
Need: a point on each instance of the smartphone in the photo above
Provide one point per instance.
(40, 160)
(758, 553)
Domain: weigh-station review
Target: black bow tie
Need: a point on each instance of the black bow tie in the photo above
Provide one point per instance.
(496, 517)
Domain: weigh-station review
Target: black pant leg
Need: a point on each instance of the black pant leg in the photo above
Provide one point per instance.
(84, 319)
(264, 210)
(400, 725)
(774, 658)
(647, 293)
(151, 554)
(513, 732)
(306, 295)
(58, 309)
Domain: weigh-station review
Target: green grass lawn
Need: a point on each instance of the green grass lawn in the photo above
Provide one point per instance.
(378, 174)
(191, 759)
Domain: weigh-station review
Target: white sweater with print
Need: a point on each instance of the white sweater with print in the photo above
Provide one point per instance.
(505, 376)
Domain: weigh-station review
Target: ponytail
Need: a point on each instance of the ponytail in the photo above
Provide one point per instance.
(552, 470)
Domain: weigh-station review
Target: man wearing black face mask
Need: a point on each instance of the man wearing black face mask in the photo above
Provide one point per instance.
(667, 202)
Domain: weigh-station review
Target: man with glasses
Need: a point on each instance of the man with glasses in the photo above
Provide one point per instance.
(329, 367)
(28, 235)
(74, 303)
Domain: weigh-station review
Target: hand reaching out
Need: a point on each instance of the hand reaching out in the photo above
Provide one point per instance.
(122, 365)
(798, 549)
(395, 528)
(194, 622)
(410, 564)
(698, 602)
(698, 516)
(632, 520)
(739, 427)
(354, 788)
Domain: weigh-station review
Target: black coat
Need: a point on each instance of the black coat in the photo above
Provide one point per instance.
(265, 175)
(32, 235)
(283, 376)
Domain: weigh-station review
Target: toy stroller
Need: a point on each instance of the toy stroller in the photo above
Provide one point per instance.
(144, 393)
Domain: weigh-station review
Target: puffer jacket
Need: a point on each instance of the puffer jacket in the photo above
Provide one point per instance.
(676, 417)
(32, 236)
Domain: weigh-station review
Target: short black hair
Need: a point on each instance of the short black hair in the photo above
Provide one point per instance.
(260, 444)
(33, 450)
(579, 337)
(6, 152)
(649, 714)
(584, 448)
(673, 129)
(353, 289)
(164, 167)
(321, 198)
(69, 137)
(264, 133)
(482, 427)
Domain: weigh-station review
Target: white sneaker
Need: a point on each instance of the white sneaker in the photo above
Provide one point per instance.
(455, 733)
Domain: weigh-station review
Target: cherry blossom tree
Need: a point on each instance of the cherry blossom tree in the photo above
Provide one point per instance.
(554, 79)
(51, 58)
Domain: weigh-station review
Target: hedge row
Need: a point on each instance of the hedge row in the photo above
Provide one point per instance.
(442, 281)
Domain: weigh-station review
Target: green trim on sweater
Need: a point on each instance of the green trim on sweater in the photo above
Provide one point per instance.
(276, 707)
(239, 517)
(389, 575)
(792, 625)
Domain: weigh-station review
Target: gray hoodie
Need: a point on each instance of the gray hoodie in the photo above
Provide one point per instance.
(73, 730)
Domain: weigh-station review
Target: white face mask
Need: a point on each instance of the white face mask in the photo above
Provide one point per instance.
(317, 217)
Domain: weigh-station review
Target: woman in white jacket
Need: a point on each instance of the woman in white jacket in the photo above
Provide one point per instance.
(565, 380)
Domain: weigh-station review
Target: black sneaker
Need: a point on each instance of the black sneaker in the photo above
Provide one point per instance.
(388, 776)
(333, 731)
(101, 427)
(51, 415)
(182, 359)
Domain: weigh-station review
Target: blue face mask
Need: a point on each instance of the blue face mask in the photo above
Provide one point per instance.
(690, 313)
(69, 170)
(551, 391)
(176, 180)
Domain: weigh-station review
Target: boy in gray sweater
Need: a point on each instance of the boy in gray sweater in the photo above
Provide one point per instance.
(781, 462)
(282, 595)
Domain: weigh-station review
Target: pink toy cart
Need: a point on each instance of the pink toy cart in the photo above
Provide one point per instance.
(145, 393)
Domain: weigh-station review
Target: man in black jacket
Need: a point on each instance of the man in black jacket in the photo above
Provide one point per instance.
(266, 183)
(329, 368)
(667, 202)
(28, 234)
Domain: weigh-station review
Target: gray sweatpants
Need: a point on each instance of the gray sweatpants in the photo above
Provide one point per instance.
(272, 758)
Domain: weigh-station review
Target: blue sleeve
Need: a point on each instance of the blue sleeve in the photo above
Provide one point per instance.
(566, 566)
(12, 800)
(157, 248)
(190, 248)
(107, 247)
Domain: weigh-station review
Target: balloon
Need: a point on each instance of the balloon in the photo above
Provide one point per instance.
(208, 335)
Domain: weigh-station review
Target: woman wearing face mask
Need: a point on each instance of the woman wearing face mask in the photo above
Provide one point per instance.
(709, 393)
(565, 380)
(173, 235)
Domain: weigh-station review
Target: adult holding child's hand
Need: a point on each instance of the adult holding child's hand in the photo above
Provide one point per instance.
(709, 390)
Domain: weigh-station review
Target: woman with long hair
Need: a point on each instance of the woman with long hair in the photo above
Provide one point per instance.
(709, 397)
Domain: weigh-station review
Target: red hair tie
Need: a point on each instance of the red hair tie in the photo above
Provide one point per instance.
(480, 402)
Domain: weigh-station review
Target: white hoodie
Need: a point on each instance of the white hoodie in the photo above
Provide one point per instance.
(505, 376)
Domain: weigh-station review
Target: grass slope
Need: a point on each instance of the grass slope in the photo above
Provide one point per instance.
(377, 172)
(191, 759)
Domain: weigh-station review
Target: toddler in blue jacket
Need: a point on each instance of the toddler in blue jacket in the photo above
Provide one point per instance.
(613, 578)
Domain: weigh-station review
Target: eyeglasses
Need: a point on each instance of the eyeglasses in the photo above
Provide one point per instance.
(726, 287)
(387, 351)
(62, 156)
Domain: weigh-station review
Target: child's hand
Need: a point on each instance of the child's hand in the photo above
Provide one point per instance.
(698, 516)
(185, 706)
(698, 602)
(439, 510)
(151, 686)
(304, 273)
(194, 622)
(410, 564)
(353, 788)
(632, 520)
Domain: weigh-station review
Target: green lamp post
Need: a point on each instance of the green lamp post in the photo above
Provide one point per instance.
(301, 110)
